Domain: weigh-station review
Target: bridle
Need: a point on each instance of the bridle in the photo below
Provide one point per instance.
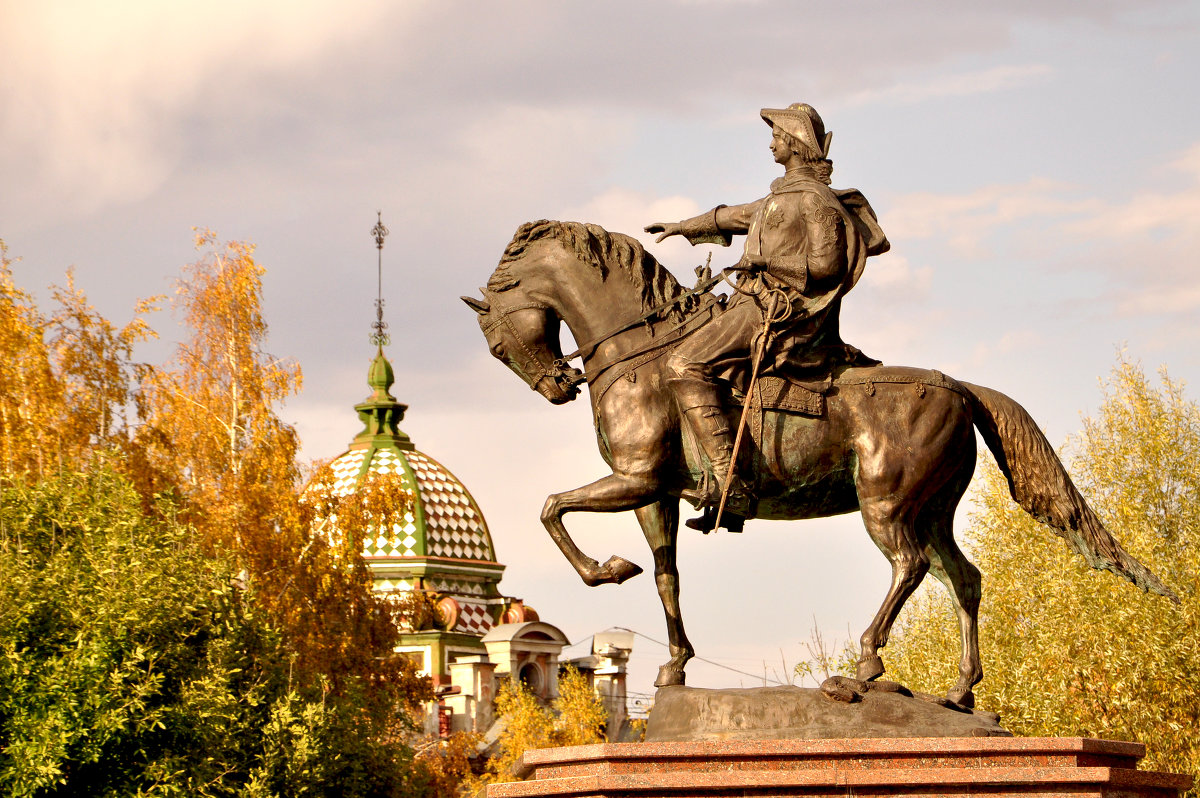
(559, 369)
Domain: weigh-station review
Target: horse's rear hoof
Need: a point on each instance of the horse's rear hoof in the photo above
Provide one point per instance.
(619, 569)
(964, 697)
(670, 677)
(870, 668)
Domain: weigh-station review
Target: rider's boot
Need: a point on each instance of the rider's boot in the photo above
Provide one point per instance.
(711, 429)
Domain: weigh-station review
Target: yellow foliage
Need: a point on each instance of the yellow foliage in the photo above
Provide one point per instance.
(445, 765)
(29, 390)
(67, 380)
(207, 432)
(1071, 651)
(212, 433)
(576, 717)
(212, 411)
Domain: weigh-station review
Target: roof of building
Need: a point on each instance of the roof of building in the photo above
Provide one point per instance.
(445, 520)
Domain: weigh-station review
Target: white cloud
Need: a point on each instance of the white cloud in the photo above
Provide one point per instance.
(1014, 341)
(1150, 212)
(625, 211)
(1140, 245)
(961, 84)
(892, 272)
(1162, 298)
(966, 222)
(99, 91)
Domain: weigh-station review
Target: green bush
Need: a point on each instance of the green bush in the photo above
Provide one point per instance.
(133, 664)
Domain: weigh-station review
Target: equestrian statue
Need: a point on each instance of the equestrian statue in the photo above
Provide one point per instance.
(752, 406)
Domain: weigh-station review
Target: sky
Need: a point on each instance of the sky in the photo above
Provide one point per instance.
(1036, 166)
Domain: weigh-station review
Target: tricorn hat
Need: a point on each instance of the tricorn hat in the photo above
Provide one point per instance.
(803, 123)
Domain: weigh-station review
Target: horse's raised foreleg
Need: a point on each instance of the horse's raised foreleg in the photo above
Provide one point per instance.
(660, 524)
(895, 535)
(961, 578)
(612, 494)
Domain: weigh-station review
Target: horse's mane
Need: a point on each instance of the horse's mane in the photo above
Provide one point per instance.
(598, 248)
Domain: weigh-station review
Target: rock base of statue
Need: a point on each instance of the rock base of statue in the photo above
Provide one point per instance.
(942, 766)
(840, 708)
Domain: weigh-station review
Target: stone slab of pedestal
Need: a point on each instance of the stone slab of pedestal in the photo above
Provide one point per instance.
(787, 712)
(942, 766)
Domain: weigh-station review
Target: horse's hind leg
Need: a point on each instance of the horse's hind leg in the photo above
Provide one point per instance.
(660, 524)
(612, 494)
(891, 527)
(961, 578)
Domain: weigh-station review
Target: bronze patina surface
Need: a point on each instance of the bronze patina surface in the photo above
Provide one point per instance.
(896, 444)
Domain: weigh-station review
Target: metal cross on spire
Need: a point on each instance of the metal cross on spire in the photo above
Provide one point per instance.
(380, 337)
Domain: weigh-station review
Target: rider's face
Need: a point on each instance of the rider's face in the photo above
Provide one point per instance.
(779, 147)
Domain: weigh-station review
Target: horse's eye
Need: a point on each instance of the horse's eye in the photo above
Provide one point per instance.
(498, 349)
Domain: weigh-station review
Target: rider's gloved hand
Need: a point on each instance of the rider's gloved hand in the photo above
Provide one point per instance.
(667, 229)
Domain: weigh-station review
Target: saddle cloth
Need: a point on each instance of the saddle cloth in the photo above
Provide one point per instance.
(807, 398)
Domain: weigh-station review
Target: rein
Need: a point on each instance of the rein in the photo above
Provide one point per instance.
(701, 286)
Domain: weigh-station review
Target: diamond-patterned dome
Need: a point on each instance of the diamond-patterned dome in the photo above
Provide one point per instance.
(441, 547)
(445, 520)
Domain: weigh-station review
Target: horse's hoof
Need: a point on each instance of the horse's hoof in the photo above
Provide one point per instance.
(619, 569)
(839, 688)
(670, 677)
(963, 696)
(870, 668)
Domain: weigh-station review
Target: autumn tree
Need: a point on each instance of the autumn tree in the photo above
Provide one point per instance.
(576, 717)
(214, 408)
(29, 391)
(68, 379)
(94, 362)
(1067, 650)
(213, 429)
(208, 575)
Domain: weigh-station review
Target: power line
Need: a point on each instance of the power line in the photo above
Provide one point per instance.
(702, 659)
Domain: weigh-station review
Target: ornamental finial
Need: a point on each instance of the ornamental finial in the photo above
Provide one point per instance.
(380, 337)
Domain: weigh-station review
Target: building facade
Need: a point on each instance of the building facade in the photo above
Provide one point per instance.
(438, 556)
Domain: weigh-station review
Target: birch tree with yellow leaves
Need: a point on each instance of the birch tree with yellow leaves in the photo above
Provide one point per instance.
(1068, 651)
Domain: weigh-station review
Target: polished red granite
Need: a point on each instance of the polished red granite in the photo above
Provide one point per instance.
(941, 766)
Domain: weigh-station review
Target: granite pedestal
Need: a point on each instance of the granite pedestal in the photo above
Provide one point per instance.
(942, 766)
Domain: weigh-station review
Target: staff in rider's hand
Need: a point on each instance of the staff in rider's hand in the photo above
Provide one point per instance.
(810, 243)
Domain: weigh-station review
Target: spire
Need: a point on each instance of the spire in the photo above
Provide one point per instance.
(380, 413)
(380, 337)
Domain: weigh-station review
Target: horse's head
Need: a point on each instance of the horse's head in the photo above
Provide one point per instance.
(552, 268)
(523, 333)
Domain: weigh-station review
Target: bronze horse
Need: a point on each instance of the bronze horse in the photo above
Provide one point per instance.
(896, 447)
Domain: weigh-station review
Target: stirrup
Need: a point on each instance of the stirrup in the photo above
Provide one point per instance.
(707, 497)
(707, 521)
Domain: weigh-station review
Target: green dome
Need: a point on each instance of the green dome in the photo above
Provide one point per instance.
(442, 545)
(445, 520)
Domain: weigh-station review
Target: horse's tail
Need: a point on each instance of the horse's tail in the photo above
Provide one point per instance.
(1040, 484)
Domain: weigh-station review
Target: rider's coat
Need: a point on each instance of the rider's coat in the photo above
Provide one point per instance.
(815, 241)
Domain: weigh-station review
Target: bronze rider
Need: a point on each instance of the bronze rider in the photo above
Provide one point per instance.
(804, 239)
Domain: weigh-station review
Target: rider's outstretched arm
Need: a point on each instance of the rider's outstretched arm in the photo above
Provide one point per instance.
(717, 226)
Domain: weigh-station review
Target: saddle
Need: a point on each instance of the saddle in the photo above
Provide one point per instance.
(806, 395)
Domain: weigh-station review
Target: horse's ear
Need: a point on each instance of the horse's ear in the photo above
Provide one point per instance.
(478, 305)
